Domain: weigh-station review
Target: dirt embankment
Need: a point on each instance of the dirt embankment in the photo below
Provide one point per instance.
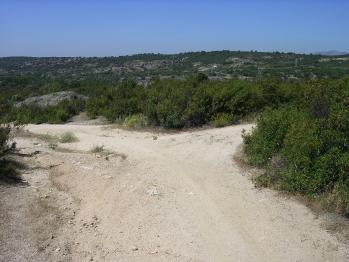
(152, 197)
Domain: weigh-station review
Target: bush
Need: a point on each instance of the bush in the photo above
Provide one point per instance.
(51, 114)
(68, 137)
(4, 137)
(267, 139)
(117, 102)
(8, 172)
(135, 121)
(167, 102)
(97, 149)
(310, 136)
(199, 110)
(177, 104)
(52, 145)
(223, 119)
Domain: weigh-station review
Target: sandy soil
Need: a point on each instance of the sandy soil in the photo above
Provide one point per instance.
(152, 197)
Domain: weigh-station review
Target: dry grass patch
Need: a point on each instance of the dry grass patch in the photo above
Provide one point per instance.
(68, 137)
(97, 149)
(100, 151)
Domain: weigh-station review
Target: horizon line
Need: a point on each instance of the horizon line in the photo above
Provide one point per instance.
(179, 53)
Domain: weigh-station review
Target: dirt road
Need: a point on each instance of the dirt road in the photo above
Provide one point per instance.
(157, 197)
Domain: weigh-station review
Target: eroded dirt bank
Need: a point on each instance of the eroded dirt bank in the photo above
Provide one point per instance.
(153, 197)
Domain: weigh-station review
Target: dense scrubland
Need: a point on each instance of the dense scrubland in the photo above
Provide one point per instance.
(192, 102)
(303, 144)
(301, 137)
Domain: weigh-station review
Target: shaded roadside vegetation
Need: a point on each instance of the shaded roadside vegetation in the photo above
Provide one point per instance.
(8, 172)
(51, 114)
(304, 144)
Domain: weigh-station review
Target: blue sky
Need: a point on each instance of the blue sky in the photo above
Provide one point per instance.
(111, 28)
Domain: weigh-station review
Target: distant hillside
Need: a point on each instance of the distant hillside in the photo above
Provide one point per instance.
(217, 65)
(332, 53)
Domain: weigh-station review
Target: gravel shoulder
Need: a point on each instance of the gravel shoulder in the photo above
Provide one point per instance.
(152, 197)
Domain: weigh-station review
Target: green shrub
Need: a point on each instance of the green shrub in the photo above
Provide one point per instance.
(52, 146)
(51, 114)
(135, 121)
(338, 199)
(117, 102)
(267, 138)
(311, 138)
(4, 137)
(199, 109)
(223, 119)
(68, 137)
(184, 103)
(8, 171)
(167, 102)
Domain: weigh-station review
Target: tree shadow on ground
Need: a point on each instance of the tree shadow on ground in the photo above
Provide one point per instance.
(10, 172)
